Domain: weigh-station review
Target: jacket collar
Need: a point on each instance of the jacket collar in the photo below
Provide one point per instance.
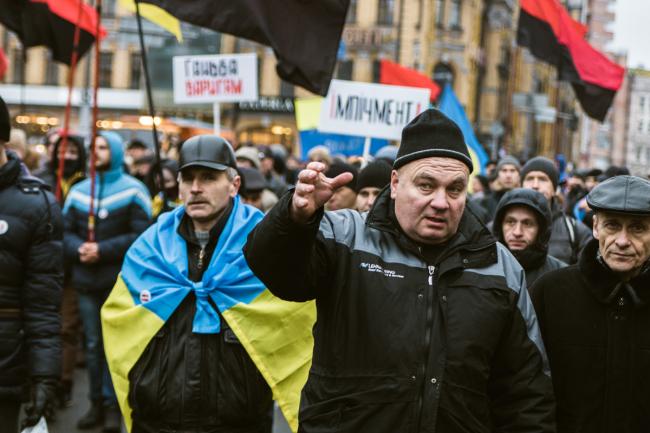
(472, 246)
(604, 284)
(9, 172)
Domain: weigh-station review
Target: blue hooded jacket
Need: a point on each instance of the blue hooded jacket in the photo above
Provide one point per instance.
(122, 209)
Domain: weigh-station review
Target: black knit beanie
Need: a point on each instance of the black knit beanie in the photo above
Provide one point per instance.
(545, 165)
(5, 125)
(375, 175)
(340, 168)
(431, 134)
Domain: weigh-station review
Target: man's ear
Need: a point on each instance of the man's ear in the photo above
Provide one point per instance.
(235, 185)
(394, 180)
(595, 229)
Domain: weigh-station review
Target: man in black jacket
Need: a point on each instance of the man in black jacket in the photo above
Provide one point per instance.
(595, 317)
(31, 275)
(189, 381)
(523, 224)
(424, 323)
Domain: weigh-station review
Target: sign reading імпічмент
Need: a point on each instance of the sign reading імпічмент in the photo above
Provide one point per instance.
(371, 110)
(215, 78)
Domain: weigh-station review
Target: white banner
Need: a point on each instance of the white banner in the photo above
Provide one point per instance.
(371, 110)
(218, 78)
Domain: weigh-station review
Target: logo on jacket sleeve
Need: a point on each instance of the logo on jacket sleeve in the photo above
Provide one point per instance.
(4, 227)
(373, 267)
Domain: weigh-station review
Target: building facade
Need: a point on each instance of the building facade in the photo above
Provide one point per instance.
(638, 130)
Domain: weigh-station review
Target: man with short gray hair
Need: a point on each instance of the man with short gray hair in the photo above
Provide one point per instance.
(595, 317)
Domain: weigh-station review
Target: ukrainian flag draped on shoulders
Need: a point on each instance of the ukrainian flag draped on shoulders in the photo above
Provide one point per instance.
(154, 280)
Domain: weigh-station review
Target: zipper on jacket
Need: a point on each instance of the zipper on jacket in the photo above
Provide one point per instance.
(426, 345)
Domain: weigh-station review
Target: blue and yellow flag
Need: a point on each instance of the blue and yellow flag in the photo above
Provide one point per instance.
(450, 105)
(154, 280)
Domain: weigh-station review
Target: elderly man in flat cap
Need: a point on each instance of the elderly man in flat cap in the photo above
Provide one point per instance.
(595, 317)
(423, 320)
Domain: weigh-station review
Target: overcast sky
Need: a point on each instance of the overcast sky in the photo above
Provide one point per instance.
(632, 31)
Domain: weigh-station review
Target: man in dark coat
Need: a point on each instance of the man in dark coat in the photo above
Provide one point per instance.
(595, 317)
(424, 323)
(523, 224)
(507, 178)
(31, 275)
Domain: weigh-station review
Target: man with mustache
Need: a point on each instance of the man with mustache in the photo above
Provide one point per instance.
(424, 323)
(595, 317)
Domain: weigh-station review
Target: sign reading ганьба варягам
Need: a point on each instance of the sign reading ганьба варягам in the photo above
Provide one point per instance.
(370, 110)
(215, 78)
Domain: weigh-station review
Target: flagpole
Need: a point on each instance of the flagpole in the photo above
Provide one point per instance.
(93, 162)
(147, 81)
(66, 118)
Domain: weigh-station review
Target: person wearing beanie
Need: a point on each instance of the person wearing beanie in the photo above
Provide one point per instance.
(507, 178)
(372, 179)
(248, 156)
(568, 236)
(387, 154)
(424, 320)
(523, 224)
(31, 280)
(346, 196)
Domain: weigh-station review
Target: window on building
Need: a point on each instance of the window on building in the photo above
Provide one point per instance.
(639, 150)
(108, 8)
(442, 74)
(440, 13)
(352, 12)
(647, 155)
(105, 69)
(639, 127)
(455, 14)
(385, 11)
(642, 103)
(344, 70)
(136, 70)
(286, 89)
(18, 65)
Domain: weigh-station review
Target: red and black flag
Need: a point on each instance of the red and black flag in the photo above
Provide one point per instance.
(551, 35)
(304, 34)
(51, 23)
(398, 75)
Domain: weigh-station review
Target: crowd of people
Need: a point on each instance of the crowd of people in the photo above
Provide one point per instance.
(511, 301)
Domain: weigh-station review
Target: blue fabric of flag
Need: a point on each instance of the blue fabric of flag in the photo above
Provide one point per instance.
(450, 106)
(157, 263)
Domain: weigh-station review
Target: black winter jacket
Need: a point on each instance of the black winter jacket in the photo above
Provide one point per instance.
(402, 345)
(599, 348)
(568, 237)
(198, 382)
(31, 277)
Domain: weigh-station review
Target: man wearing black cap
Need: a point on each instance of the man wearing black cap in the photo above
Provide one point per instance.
(372, 179)
(568, 235)
(595, 317)
(201, 379)
(423, 320)
(31, 276)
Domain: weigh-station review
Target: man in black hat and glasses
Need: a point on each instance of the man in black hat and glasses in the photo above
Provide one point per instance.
(595, 317)
(423, 322)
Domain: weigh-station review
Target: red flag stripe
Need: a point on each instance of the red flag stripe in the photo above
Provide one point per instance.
(392, 73)
(4, 64)
(68, 10)
(591, 65)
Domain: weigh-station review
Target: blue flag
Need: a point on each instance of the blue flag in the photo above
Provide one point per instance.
(450, 105)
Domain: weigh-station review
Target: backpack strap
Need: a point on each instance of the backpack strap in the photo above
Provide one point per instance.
(573, 238)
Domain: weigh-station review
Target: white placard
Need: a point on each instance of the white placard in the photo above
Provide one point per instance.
(218, 78)
(371, 110)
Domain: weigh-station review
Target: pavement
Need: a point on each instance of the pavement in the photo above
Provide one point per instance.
(66, 421)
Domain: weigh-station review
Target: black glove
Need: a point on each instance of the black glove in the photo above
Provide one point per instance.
(42, 401)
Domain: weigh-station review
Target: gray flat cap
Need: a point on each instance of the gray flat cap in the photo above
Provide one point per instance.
(621, 194)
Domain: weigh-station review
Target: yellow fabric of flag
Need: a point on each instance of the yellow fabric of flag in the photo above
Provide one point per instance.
(157, 16)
